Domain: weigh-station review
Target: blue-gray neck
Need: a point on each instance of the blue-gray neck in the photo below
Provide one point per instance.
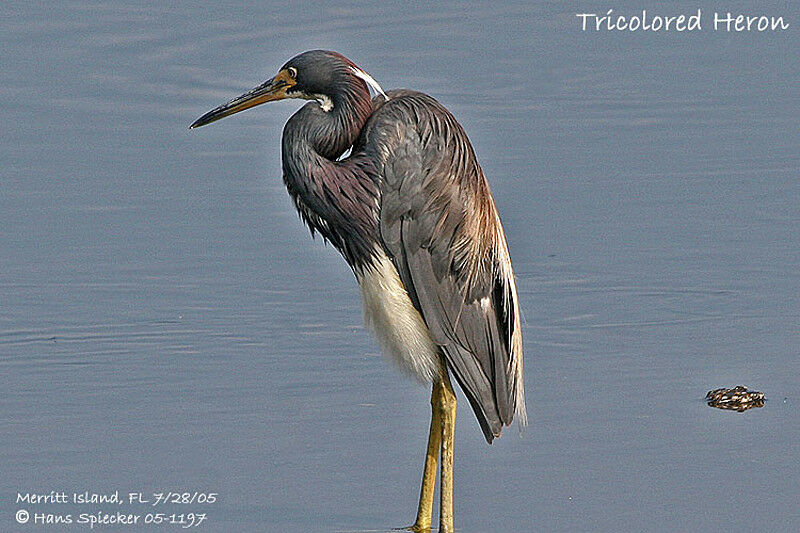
(338, 199)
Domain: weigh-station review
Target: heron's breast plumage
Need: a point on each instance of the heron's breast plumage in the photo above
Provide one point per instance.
(395, 322)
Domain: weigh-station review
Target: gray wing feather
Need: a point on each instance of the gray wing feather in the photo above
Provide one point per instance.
(439, 225)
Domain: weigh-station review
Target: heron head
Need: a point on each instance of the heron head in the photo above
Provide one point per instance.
(314, 75)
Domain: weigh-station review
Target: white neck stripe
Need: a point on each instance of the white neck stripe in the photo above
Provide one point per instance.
(370, 81)
(324, 102)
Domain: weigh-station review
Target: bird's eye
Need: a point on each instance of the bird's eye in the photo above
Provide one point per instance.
(292, 72)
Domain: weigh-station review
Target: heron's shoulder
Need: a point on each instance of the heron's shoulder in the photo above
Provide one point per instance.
(414, 118)
(403, 101)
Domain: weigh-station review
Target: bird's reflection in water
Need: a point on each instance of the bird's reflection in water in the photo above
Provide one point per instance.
(390, 530)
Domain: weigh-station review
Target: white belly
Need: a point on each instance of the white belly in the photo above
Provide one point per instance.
(398, 326)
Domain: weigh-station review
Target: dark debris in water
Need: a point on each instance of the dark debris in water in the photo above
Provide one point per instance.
(736, 399)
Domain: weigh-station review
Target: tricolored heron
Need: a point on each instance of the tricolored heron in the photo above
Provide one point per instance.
(411, 212)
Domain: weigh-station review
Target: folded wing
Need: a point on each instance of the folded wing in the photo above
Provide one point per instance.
(440, 227)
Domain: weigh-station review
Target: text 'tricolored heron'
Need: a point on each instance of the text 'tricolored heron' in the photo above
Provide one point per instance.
(411, 212)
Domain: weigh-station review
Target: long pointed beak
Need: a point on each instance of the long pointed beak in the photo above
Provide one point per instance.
(274, 89)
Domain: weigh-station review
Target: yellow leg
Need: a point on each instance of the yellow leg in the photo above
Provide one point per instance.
(440, 444)
(425, 510)
(448, 408)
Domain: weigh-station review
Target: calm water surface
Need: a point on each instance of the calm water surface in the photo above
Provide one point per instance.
(167, 324)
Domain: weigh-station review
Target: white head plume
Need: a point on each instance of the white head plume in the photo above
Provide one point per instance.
(370, 81)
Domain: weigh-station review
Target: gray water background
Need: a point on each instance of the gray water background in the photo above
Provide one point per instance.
(166, 323)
